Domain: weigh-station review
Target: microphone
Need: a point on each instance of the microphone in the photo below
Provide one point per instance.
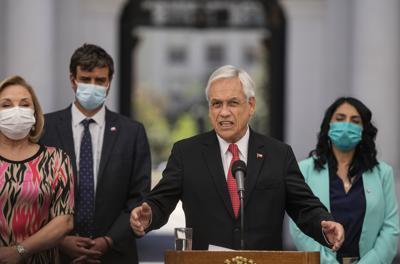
(239, 173)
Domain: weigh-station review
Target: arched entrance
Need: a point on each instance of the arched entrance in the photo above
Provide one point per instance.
(167, 51)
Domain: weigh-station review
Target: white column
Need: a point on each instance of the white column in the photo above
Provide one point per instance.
(68, 29)
(376, 78)
(305, 72)
(340, 48)
(2, 33)
(28, 45)
(376, 70)
(100, 25)
(85, 21)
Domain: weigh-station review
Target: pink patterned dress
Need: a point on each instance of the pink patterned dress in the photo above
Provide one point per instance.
(32, 192)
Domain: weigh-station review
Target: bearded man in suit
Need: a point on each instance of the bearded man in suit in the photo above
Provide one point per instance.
(111, 161)
(198, 174)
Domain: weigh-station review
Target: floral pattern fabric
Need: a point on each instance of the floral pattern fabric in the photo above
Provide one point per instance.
(32, 192)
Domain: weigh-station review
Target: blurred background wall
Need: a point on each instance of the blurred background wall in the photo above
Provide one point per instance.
(333, 48)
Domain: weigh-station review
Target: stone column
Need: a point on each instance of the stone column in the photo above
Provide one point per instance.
(306, 72)
(2, 33)
(28, 45)
(376, 70)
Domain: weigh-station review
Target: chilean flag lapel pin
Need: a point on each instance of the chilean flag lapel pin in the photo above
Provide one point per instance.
(259, 155)
(113, 129)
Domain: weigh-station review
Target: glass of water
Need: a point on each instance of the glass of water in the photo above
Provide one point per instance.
(183, 238)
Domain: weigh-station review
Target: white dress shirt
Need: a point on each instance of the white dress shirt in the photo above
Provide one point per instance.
(226, 155)
(97, 133)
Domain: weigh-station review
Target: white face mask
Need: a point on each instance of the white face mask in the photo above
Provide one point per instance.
(16, 122)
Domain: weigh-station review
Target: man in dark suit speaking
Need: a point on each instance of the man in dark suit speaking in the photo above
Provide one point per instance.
(111, 160)
(198, 174)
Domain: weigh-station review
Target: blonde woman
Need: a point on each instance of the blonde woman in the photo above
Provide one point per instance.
(36, 182)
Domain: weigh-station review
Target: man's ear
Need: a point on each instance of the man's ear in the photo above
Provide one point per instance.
(72, 81)
(109, 86)
(252, 103)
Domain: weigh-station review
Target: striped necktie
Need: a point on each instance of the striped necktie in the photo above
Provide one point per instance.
(233, 193)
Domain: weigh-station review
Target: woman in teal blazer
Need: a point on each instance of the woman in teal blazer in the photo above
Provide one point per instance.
(358, 190)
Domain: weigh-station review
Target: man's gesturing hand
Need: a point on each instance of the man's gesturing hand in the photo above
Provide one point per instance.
(334, 233)
(140, 219)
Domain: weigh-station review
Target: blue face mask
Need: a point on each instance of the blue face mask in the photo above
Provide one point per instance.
(91, 96)
(345, 135)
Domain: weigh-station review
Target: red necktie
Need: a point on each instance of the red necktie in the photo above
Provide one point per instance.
(232, 188)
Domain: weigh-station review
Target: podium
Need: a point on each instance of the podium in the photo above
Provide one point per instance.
(257, 257)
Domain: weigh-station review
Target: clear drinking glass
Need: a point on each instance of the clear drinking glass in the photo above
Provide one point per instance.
(183, 238)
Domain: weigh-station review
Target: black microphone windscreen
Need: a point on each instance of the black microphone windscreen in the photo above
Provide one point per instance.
(238, 165)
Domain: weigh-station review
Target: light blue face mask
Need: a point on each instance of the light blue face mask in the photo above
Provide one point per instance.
(91, 96)
(345, 135)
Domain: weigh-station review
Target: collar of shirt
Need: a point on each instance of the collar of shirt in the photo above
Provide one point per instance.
(77, 116)
(226, 156)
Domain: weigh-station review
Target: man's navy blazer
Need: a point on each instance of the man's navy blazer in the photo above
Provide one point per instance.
(273, 185)
(123, 177)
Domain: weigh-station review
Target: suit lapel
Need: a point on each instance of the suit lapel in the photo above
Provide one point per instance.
(319, 183)
(111, 132)
(255, 158)
(212, 156)
(64, 131)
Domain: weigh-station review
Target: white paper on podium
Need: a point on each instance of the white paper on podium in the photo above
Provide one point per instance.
(218, 248)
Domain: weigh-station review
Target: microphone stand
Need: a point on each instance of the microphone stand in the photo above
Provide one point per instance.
(239, 172)
(241, 197)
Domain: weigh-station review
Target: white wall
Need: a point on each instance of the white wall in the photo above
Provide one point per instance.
(28, 45)
(343, 48)
(39, 37)
(2, 43)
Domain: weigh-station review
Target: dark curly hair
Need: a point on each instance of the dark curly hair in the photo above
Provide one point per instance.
(365, 153)
(90, 56)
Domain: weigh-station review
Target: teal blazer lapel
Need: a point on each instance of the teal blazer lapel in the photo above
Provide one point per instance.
(372, 189)
(317, 180)
(321, 187)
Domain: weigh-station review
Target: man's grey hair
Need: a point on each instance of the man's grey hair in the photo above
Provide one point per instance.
(229, 71)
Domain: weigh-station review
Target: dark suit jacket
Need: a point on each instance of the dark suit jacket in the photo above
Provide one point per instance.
(195, 175)
(123, 178)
